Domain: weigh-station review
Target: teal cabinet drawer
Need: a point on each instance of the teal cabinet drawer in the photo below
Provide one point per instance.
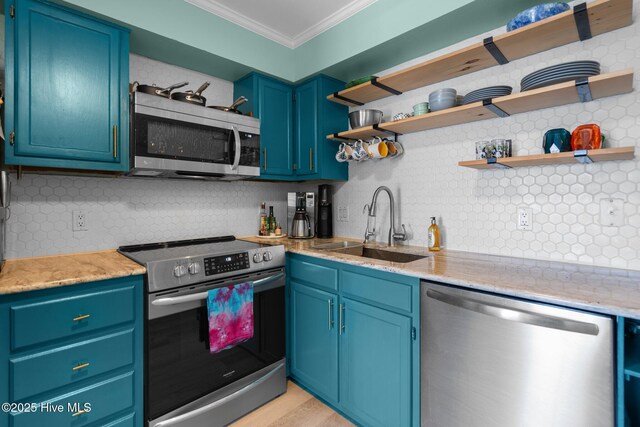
(70, 364)
(106, 398)
(65, 317)
(318, 275)
(128, 421)
(387, 293)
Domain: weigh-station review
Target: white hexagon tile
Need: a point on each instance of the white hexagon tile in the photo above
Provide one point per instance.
(477, 209)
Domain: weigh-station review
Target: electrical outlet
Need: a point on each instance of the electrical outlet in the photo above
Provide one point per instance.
(79, 221)
(343, 214)
(612, 212)
(525, 219)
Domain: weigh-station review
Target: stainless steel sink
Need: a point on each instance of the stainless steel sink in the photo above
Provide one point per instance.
(336, 245)
(380, 254)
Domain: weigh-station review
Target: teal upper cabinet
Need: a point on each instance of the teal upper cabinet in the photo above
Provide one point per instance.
(67, 103)
(294, 122)
(272, 102)
(316, 117)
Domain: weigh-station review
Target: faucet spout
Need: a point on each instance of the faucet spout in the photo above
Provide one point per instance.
(393, 234)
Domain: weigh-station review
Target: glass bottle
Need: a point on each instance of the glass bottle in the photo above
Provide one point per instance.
(434, 236)
(271, 223)
(263, 218)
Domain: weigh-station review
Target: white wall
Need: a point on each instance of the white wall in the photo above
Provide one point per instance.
(123, 211)
(477, 209)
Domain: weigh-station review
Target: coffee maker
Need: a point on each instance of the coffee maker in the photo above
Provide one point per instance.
(301, 215)
(325, 212)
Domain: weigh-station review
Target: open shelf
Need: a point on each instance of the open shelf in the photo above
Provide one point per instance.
(559, 30)
(582, 156)
(600, 86)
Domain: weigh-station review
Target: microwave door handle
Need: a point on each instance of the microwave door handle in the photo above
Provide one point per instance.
(236, 158)
(203, 295)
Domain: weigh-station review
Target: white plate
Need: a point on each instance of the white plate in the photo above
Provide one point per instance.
(271, 237)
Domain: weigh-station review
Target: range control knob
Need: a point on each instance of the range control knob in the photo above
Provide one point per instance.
(194, 268)
(257, 257)
(267, 256)
(179, 271)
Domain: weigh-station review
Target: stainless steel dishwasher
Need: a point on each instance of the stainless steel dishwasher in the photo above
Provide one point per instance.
(491, 361)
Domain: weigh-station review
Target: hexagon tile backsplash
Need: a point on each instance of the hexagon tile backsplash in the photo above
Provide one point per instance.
(477, 209)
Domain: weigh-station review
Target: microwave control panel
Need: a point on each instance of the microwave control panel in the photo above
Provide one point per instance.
(226, 263)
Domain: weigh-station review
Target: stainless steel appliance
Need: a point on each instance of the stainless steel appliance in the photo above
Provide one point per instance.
(186, 385)
(175, 139)
(5, 213)
(494, 361)
(325, 212)
(301, 215)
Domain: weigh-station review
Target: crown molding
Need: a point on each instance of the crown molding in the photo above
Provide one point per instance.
(250, 24)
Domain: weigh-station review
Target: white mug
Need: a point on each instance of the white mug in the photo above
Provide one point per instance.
(379, 150)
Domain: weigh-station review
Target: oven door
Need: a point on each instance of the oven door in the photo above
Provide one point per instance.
(180, 370)
(173, 143)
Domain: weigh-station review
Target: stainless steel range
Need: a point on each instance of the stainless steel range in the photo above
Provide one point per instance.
(185, 384)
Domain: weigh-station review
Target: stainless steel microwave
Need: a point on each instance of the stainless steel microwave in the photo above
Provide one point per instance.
(173, 139)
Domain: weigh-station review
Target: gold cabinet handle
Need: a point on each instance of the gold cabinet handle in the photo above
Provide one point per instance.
(79, 318)
(80, 366)
(115, 141)
(310, 158)
(265, 158)
(79, 413)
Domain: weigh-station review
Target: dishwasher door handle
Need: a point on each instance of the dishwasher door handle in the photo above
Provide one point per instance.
(515, 315)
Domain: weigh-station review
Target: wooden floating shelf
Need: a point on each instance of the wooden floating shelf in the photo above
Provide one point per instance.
(570, 157)
(559, 30)
(600, 86)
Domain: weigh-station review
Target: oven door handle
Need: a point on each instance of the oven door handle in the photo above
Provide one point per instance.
(203, 295)
(184, 417)
(236, 158)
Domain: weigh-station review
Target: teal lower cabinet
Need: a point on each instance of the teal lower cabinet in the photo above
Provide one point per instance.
(314, 358)
(354, 339)
(628, 372)
(73, 355)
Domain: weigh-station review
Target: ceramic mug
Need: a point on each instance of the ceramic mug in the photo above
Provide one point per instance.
(379, 150)
(481, 149)
(361, 151)
(391, 148)
(502, 147)
(345, 153)
(399, 148)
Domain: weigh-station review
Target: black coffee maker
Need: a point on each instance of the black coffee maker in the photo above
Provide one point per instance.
(325, 212)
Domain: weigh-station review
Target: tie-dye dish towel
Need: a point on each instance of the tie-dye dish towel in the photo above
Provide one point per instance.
(230, 312)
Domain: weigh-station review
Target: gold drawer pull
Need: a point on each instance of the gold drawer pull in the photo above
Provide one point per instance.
(79, 318)
(79, 413)
(80, 366)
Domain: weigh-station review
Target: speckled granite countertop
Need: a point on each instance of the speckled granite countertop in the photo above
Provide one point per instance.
(30, 274)
(604, 290)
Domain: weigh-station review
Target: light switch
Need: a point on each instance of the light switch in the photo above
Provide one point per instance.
(612, 212)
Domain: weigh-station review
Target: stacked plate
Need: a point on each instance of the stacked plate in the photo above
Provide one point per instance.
(560, 73)
(486, 93)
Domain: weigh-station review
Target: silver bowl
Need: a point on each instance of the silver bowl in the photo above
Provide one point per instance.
(362, 118)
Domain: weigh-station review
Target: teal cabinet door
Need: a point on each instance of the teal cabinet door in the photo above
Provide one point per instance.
(275, 107)
(375, 365)
(314, 340)
(67, 89)
(306, 134)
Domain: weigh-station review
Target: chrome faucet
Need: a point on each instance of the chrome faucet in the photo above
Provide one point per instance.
(393, 234)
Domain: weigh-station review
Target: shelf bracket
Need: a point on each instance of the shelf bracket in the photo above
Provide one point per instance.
(495, 51)
(344, 98)
(584, 91)
(489, 105)
(494, 162)
(582, 156)
(390, 132)
(375, 82)
(581, 16)
(337, 136)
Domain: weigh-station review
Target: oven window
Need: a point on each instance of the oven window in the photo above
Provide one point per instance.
(250, 152)
(180, 366)
(174, 139)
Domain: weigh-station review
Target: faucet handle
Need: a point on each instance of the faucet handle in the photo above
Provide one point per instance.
(366, 208)
(400, 236)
